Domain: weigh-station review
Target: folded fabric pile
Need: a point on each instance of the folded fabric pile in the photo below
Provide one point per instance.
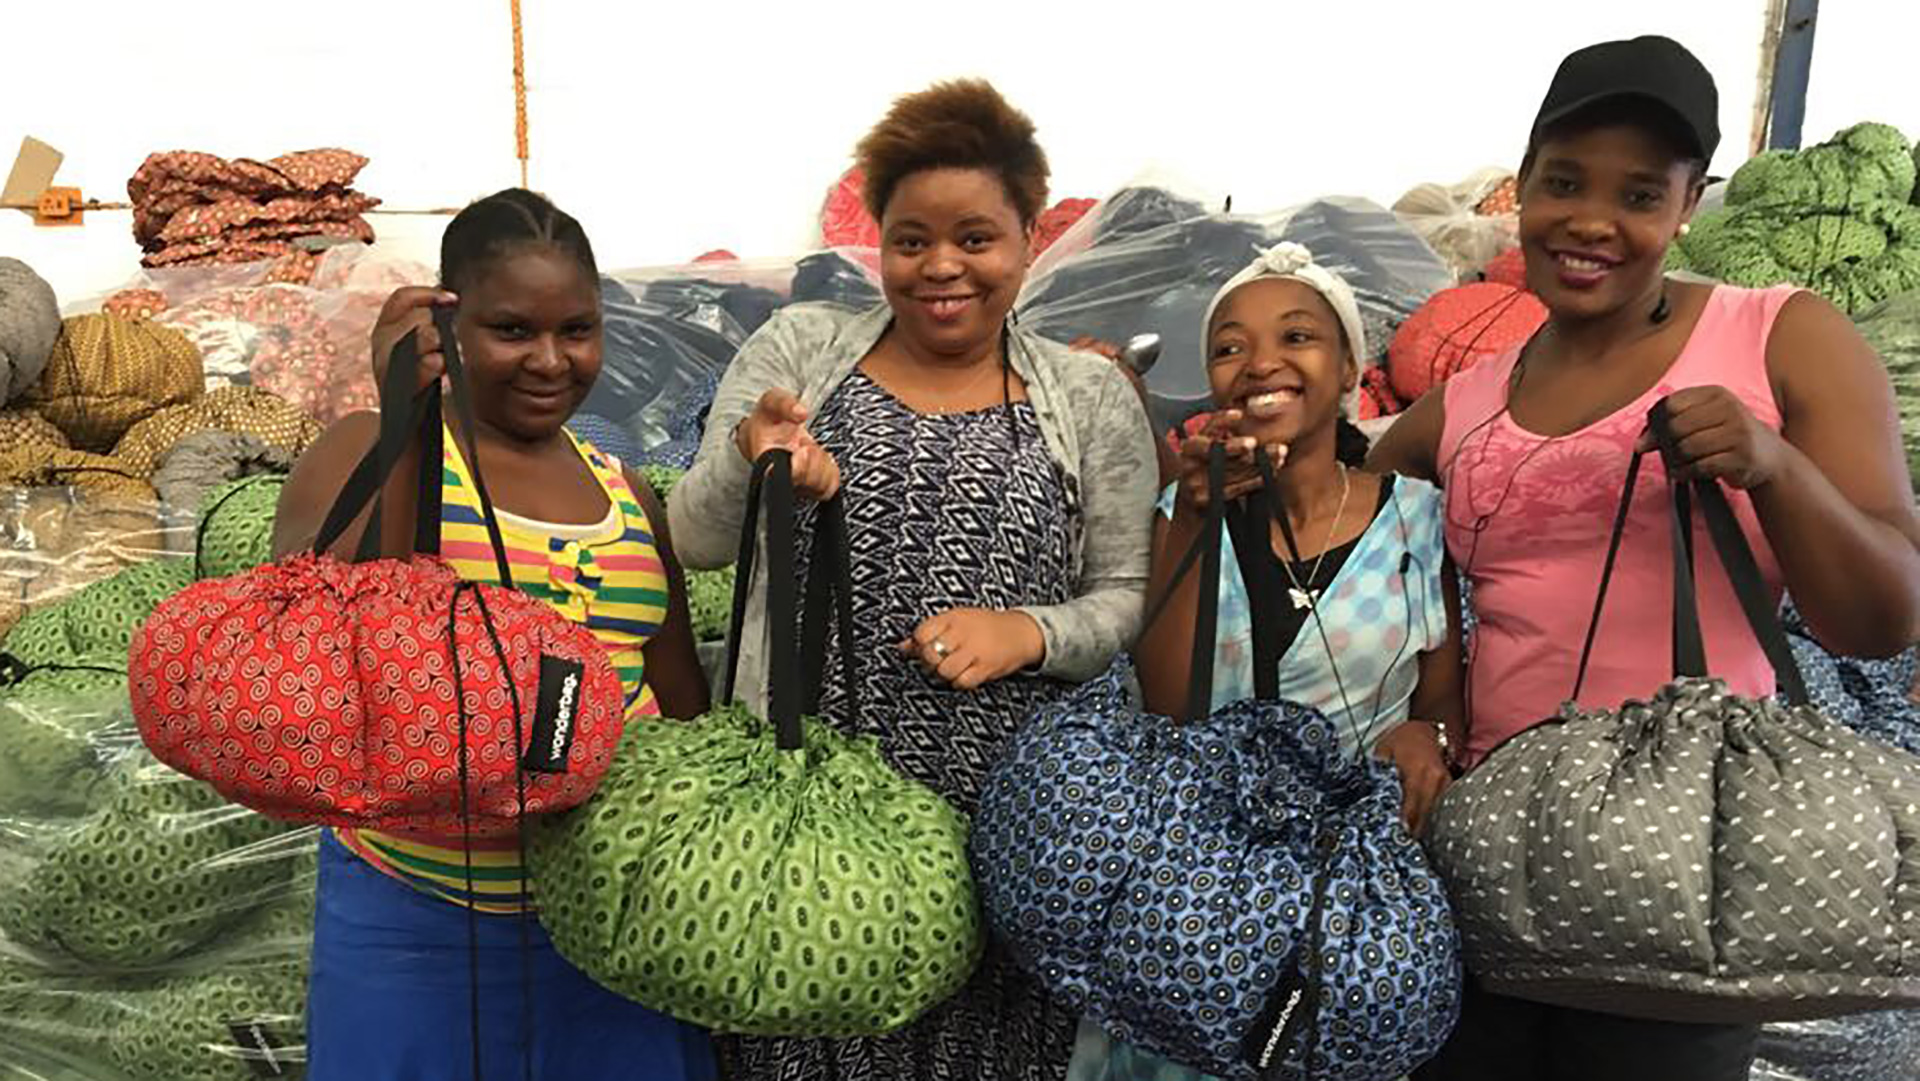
(29, 325)
(194, 209)
(1893, 330)
(1837, 218)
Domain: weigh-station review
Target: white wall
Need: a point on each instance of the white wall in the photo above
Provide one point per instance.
(672, 128)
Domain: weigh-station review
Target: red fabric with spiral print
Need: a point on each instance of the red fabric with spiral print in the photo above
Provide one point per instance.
(314, 690)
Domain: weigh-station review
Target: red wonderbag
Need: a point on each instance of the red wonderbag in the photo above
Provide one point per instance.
(386, 694)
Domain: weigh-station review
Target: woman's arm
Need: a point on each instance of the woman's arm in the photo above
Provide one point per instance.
(672, 663)
(1831, 488)
(1164, 655)
(1437, 704)
(1439, 695)
(709, 503)
(316, 481)
(1411, 447)
(1119, 474)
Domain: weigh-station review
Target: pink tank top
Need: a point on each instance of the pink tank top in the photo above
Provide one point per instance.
(1527, 522)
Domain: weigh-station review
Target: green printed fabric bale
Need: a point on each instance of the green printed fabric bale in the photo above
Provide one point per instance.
(1893, 329)
(180, 1029)
(236, 526)
(99, 618)
(158, 868)
(749, 890)
(1864, 165)
(1855, 259)
(47, 756)
(661, 478)
(710, 603)
(709, 593)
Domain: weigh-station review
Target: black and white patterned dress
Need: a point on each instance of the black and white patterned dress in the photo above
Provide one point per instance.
(944, 511)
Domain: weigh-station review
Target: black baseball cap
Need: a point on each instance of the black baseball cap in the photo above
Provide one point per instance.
(1658, 69)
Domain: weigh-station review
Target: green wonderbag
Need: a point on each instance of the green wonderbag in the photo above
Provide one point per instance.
(765, 877)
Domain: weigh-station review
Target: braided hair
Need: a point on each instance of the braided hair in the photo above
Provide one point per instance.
(503, 222)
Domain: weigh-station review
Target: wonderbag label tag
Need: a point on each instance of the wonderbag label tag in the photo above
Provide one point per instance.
(554, 716)
(1288, 1012)
(266, 1047)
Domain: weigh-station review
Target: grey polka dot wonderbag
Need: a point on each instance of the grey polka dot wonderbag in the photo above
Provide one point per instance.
(1695, 856)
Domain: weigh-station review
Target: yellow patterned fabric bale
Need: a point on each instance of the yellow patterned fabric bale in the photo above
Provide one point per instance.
(108, 373)
(242, 410)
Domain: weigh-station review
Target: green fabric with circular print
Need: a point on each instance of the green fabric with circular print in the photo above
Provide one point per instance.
(99, 619)
(236, 525)
(161, 865)
(752, 890)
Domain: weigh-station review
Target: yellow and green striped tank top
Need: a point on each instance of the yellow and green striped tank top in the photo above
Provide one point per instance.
(607, 577)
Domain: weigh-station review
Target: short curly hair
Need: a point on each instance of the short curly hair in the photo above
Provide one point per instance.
(962, 124)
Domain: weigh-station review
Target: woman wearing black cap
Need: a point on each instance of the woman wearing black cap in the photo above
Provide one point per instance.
(1772, 393)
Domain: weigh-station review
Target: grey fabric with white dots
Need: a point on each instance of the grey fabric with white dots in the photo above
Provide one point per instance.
(1697, 857)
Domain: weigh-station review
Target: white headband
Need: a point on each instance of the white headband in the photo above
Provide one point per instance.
(1293, 262)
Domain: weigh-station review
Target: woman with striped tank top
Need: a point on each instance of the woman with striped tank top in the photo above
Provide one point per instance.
(1771, 393)
(416, 974)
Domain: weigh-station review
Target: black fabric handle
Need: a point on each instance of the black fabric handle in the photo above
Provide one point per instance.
(367, 483)
(1736, 558)
(829, 583)
(1258, 575)
(771, 490)
(1206, 616)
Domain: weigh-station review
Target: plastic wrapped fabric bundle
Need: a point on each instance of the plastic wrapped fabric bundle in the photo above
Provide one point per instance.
(51, 721)
(98, 619)
(159, 866)
(1456, 329)
(686, 425)
(654, 354)
(1864, 1047)
(1150, 260)
(830, 277)
(228, 1013)
(54, 541)
(1893, 329)
(699, 300)
(606, 436)
(1451, 218)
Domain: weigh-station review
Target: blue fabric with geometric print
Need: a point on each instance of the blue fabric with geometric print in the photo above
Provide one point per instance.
(1163, 878)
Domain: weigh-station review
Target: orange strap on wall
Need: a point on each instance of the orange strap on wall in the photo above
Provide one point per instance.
(519, 94)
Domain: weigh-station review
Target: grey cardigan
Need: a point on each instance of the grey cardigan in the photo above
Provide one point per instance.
(1089, 415)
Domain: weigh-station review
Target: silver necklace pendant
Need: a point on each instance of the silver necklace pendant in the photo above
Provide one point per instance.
(1303, 598)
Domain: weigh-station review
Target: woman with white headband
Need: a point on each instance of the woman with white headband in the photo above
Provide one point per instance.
(1367, 633)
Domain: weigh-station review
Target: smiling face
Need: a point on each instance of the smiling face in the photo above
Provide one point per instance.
(529, 330)
(953, 256)
(1598, 209)
(1276, 352)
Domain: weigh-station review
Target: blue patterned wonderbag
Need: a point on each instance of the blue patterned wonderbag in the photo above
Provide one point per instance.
(1234, 894)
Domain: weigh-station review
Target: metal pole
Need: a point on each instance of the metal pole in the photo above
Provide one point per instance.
(1793, 64)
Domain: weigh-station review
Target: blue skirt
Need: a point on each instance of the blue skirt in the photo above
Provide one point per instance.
(389, 998)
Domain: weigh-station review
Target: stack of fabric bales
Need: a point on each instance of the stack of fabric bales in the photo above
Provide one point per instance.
(194, 209)
(1837, 218)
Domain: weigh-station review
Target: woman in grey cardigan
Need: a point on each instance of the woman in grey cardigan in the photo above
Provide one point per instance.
(999, 491)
